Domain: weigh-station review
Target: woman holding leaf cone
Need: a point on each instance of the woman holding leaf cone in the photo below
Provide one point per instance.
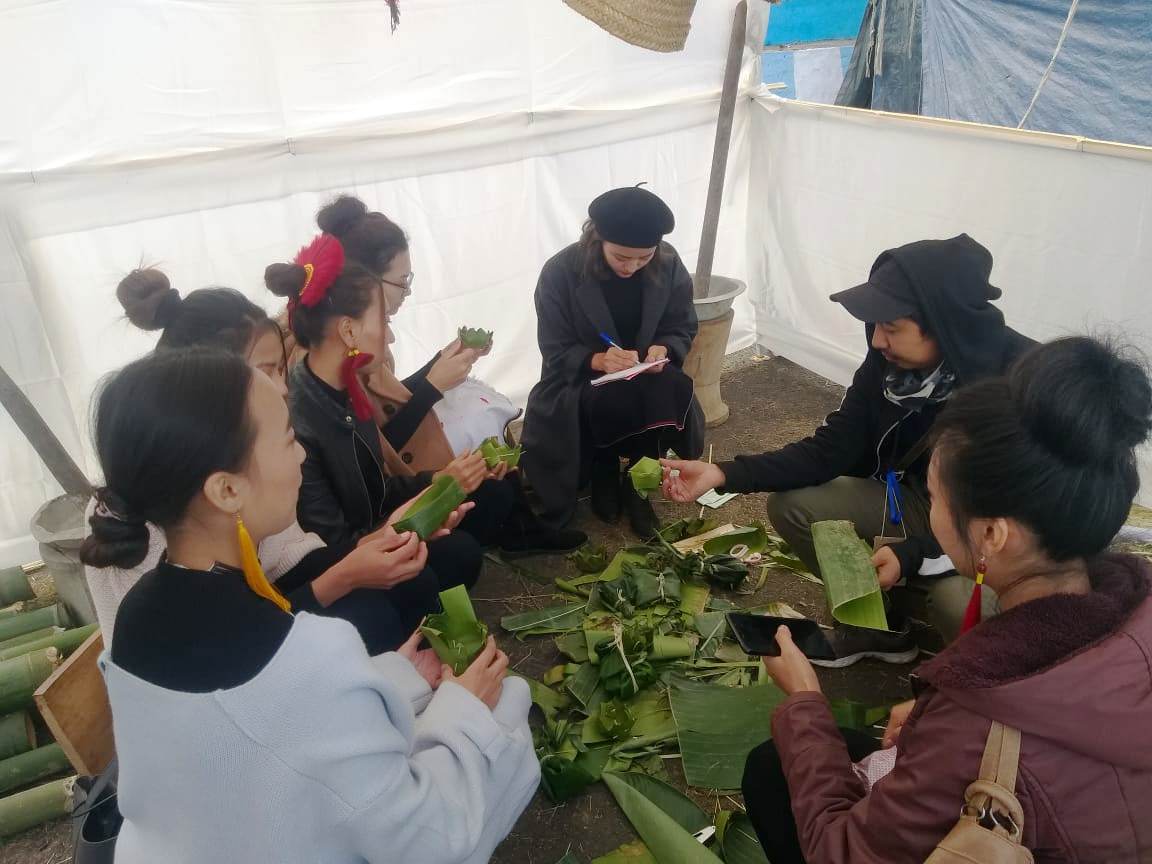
(380, 584)
(245, 732)
(617, 297)
(1031, 477)
(408, 423)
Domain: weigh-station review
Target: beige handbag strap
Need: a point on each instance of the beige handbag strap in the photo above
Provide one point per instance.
(1001, 756)
(993, 796)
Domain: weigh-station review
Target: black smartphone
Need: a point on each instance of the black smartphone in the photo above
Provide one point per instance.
(757, 635)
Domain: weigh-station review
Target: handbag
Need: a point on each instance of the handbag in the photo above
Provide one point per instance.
(96, 818)
(991, 823)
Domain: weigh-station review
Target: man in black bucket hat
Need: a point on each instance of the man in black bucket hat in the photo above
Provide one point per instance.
(931, 329)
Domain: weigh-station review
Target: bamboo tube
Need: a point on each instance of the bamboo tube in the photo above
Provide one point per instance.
(14, 586)
(16, 734)
(17, 771)
(26, 622)
(65, 642)
(36, 806)
(12, 611)
(20, 677)
(30, 637)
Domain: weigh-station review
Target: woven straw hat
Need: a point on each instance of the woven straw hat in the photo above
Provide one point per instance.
(661, 25)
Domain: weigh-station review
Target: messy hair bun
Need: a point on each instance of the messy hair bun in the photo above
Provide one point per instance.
(341, 215)
(285, 280)
(148, 298)
(370, 238)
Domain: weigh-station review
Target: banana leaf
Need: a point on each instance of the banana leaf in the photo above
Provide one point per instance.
(563, 778)
(583, 685)
(693, 598)
(856, 715)
(713, 630)
(665, 824)
(455, 634)
(682, 529)
(630, 853)
(495, 452)
(718, 727)
(654, 723)
(753, 536)
(589, 559)
(474, 337)
(624, 676)
(850, 582)
(646, 475)
(434, 505)
(540, 622)
(727, 571)
(630, 555)
(738, 840)
(545, 698)
(616, 719)
(569, 858)
(573, 646)
(653, 586)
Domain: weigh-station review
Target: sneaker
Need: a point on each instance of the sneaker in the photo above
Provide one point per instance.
(606, 488)
(641, 516)
(542, 541)
(852, 644)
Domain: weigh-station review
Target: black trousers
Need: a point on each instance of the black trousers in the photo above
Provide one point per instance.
(496, 500)
(769, 803)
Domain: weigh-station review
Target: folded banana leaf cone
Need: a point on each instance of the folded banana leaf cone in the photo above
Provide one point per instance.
(646, 475)
(494, 452)
(475, 337)
(432, 508)
(456, 635)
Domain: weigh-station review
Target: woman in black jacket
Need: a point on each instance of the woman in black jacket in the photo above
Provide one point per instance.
(617, 297)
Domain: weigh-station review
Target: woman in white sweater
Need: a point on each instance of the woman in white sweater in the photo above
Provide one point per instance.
(380, 585)
(245, 733)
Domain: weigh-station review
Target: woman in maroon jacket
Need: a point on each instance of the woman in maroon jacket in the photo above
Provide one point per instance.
(1032, 476)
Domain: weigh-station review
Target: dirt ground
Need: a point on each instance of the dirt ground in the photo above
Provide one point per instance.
(773, 402)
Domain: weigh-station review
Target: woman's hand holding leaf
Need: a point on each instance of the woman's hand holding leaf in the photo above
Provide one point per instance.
(484, 679)
(452, 366)
(896, 720)
(692, 480)
(887, 567)
(500, 471)
(450, 524)
(425, 661)
(385, 563)
(791, 670)
(469, 469)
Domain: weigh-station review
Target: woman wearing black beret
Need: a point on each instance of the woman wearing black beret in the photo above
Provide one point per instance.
(617, 297)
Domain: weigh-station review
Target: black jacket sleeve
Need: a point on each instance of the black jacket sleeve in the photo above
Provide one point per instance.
(560, 344)
(318, 507)
(401, 489)
(834, 450)
(677, 328)
(402, 425)
(296, 583)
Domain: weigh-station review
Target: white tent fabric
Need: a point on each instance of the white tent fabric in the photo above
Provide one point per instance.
(203, 137)
(1068, 221)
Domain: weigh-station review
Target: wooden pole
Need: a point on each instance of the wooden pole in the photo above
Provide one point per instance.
(17, 771)
(20, 676)
(720, 151)
(36, 806)
(26, 622)
(16, 734)
(65, 642)
(42, 439)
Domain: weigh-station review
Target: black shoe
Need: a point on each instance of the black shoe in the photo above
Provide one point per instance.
(606, 487)
(542, 541)
(641, 516)
(852, 644)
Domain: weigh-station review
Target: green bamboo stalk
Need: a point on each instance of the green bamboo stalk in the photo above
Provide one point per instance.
(30, 637)
(14, 586)
(17, 771)
(65, 642)
(20, 677)
(26, 622)
(12, 611)
(35, 806)
(16, 734)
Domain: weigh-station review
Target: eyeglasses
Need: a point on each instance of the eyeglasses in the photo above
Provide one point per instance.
(405, 285)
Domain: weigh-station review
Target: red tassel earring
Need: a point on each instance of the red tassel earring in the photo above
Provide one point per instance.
(353, 362)
(972, 613)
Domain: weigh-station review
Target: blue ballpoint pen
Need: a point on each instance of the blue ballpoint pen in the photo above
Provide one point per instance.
(608, 341)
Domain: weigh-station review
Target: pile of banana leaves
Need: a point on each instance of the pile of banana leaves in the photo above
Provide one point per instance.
(651, 672)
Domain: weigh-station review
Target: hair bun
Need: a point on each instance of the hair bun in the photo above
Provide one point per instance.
(148, 298)
(118, 538)
(342, 215)
(285, 280)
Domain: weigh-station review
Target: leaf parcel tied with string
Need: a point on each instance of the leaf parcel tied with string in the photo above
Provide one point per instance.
(475, 337)
(455, 634)
(854, 594)
(646, 475)
(494, 452)
(432, 508)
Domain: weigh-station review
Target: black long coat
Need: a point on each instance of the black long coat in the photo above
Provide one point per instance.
(570, 316)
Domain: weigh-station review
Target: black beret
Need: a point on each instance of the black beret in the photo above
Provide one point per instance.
(631, 217)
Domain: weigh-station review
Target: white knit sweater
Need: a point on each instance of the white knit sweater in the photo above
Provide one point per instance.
(327, 756)
(278, 554)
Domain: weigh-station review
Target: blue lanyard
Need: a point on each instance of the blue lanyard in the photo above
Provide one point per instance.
(895, 507)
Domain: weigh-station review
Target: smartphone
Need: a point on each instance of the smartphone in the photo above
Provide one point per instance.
(757, 635)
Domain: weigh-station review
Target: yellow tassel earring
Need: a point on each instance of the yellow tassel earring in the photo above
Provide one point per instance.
(253, 572)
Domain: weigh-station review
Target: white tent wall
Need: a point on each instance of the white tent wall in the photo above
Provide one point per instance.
(1068, 221)
(483, 129)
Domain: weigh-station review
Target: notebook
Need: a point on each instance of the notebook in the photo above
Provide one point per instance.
(627, 374)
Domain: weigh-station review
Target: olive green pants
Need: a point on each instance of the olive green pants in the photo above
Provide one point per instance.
(861, 502)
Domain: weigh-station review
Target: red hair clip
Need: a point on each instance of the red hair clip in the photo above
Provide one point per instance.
(322, 260)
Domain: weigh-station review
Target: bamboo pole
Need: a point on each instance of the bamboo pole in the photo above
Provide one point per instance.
(17, 771)
(26, 622)
(12, 611)
(65, 642)
(36, 806)
(14, 586)
(16, 734)
(31, 636)
(20, 676)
